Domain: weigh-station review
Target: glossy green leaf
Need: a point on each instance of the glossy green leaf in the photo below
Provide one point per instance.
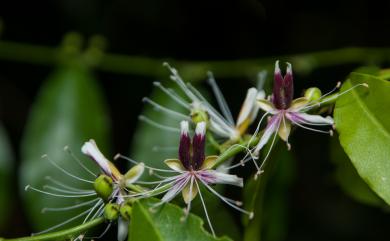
(267, 197)
(363, 122)
(164, 224)
(348, 178)
(68, 111)
(6, 159)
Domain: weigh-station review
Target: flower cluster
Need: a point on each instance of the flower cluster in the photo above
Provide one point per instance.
(113, 193)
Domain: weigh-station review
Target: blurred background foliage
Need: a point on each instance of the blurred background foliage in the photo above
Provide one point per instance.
(305, 200)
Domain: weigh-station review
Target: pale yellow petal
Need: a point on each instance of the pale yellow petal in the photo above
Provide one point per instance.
(187, 195)
(209, 162)
(175, 164)
(265, 105)
(299, 103)
(134, 173)
(284, 129)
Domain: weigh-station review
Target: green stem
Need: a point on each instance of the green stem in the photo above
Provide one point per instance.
(63, 234)
(195, 70)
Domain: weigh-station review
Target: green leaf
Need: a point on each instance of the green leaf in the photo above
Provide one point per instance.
(348, 178)
(267, 197)
(363, 122)
(68, 111)
(164, 224)
(6, 159)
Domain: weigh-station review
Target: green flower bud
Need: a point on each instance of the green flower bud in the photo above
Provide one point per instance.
(198, 115)
(111, 211)
(313, 94)
(103, 187)
(125, 210)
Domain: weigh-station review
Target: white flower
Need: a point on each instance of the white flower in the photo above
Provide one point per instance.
(223, 124)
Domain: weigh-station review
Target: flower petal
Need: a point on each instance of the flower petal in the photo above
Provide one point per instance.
(175, 164)
(90, 149)
(266, 105)
(134, 173)
(284, 129)
(209, 162)
(299, 103)
(185, 145)
(272, 126)
(175, 189)
(123, 228)
(198, 145)
(247, 107)
(223, 178)
(186, 192)
(304, 118)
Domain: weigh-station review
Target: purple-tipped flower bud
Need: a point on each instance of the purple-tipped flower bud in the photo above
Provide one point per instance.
(185, 145)
(283, 87)
(198, 145)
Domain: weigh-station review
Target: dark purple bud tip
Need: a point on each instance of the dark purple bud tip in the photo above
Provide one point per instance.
(198, 145)
(185, 145)
(283, 87)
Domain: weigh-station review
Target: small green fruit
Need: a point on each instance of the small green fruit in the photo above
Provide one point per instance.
(111, 211)
(103, 187)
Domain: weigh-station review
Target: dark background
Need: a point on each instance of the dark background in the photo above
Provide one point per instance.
(205, 30)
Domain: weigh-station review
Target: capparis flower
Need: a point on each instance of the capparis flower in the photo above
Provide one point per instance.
(194, 169)
(199, 109)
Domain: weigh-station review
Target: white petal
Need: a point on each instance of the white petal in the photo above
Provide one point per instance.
(123, 227)
(223, 178)
(248, 106)
(90, 149)
(184, 127)
(311, 119)
(200, 128)
(134, 173)
(269, 130)
(175, 189)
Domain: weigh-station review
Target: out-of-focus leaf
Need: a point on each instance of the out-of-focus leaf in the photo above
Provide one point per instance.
(6, 159)
(268, 197)
(349, 180)
(363, 122)
(152, 146)
(68, 111)
(164, 224)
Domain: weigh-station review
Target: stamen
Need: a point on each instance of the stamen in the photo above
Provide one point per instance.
(270, 149)
(220, 98)
(311, 129)
(214, 114)
(67, 149)
(28, 187)
(159, 107)
(205, 208)
(179, 81)
(65, 171)
(117, 156)
(48, 178)
(224, 199)
(172, 95)
(100, 202)
(66, 191)
(69, 207)
(334, 97)
(157, 125)
(63, 223)
(102, 234)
